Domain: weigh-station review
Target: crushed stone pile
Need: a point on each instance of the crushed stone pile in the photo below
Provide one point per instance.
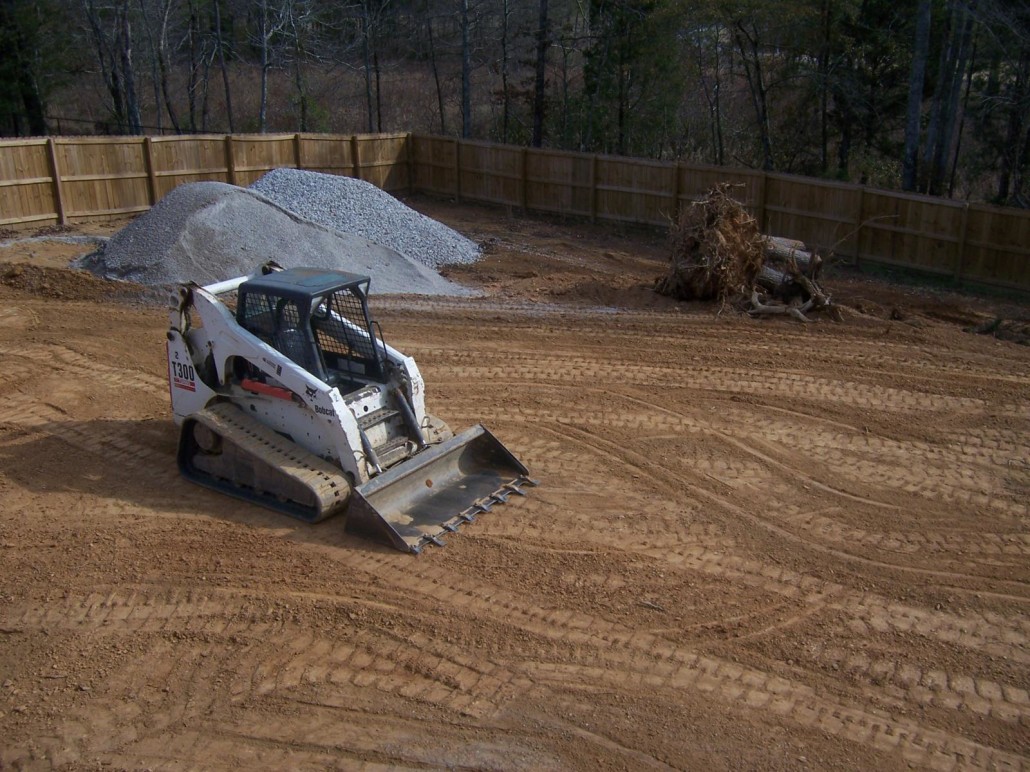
(354, 206)
(210, 231)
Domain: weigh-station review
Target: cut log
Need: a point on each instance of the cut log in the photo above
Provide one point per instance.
(773, 279)
(789, 252)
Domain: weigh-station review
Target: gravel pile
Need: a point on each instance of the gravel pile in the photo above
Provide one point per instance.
(209, 231)
(354, 206)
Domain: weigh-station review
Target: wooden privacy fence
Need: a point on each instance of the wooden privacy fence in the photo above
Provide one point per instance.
(61, 179)
(972, 243)
(58, 180)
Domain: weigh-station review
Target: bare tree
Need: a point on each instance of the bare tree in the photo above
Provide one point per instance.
(710, 76)
(466, 72)
(220, 45)
(112, 37)
(944, 110)
(159, 46)
(539, 90)
(746, 33)
(916, 78)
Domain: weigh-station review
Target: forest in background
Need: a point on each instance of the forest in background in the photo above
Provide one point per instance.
(931, 96)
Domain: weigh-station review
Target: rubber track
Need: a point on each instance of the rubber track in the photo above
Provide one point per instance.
(320, 477)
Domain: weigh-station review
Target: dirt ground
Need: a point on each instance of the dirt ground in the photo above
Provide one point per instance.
(755, 543)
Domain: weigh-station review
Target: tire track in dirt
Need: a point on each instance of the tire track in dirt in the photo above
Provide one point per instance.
(113, 441)
(644, 657)
(286, 658)
(280, 654)
(1009, 639)
(791, 387)
(671, 480)
(957, 474)
(930, 688)
(968, 548)
(67, 361)
(234, 648)
(802, 705)
(993, 634)
(988, 548)
(287, 672)
(277, 658)
(864, 346)
(1005, 637)
(721, 677)
(14, 317)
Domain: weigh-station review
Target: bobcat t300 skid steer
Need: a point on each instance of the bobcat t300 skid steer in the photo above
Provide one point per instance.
(286, 395)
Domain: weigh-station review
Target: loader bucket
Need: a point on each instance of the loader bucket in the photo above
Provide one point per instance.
(414, 503)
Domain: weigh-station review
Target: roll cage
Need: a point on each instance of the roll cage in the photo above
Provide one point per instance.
(319, 319)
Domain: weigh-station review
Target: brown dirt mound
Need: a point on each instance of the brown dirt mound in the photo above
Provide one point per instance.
(66, 284)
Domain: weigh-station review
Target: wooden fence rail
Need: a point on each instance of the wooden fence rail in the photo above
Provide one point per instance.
(63, 179)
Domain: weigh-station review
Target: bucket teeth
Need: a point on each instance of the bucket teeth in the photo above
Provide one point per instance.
(515, 486)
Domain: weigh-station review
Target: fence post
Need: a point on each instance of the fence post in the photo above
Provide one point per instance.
(524, 180)
(457, 169)
(963, 228)
(763, 222)
(354, 161)
(55, 175)
(593, 188)
(409, 157)
(676, 193)
(296, 151)
(860, 217)
(230, 161)
(148, 163)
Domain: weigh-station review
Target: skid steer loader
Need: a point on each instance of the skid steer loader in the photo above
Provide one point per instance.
(286, 395)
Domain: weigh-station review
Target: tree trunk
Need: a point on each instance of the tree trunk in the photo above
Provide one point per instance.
(961, 125)
(938, 105)
(162, 63)
(951, 89)
(192, 81)
(824, 87)
(366, 46)
(436, 75)
(155, 78)
(134, 122)
(220, 42)
(720, 145)
(109, 67)
(752, 60)
(205, 104)
(1017, 95)
(540, 83)
(298, 78)
(505, 91)
(379, 89)
(466, 73)
(264, 33)
(917, 76)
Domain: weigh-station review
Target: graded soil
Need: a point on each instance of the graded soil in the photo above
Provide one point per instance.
(755, 543)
